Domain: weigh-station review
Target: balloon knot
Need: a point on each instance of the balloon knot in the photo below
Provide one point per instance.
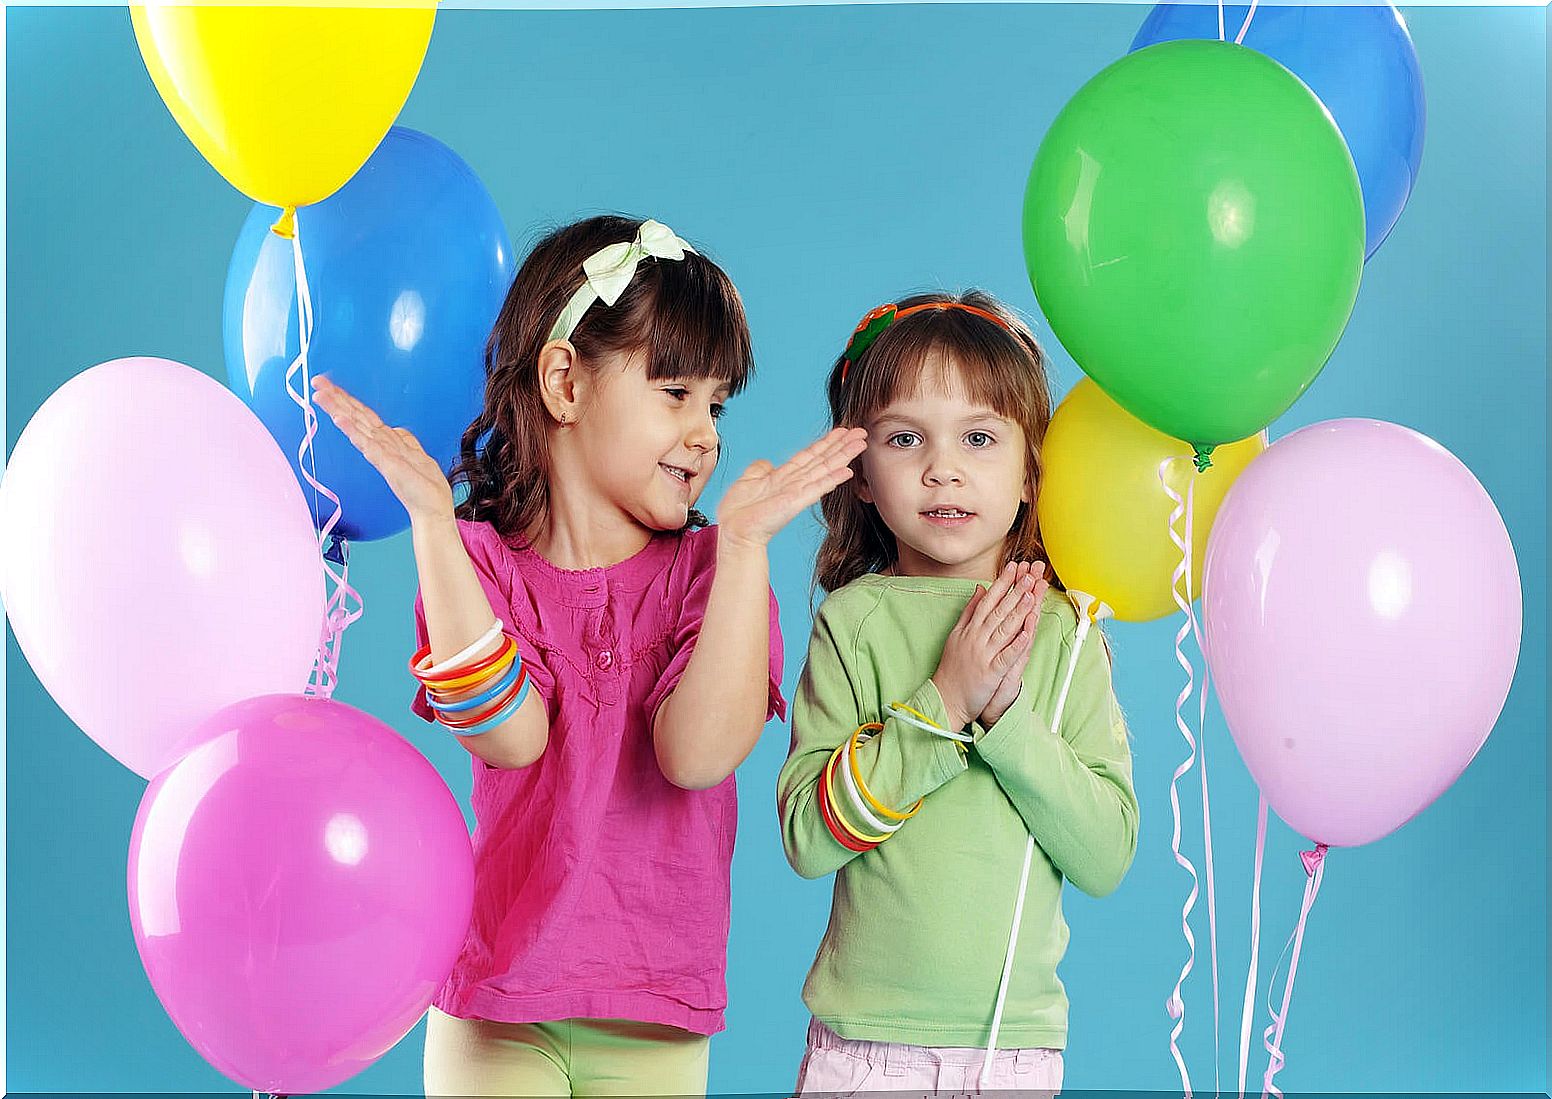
(1313, 859)
(1202, 458)
(285, 226)
(338, 550)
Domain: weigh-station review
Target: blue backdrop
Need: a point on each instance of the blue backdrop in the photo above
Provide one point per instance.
(832, 158)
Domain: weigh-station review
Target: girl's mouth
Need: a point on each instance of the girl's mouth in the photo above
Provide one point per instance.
(678, 473)
(949, 517)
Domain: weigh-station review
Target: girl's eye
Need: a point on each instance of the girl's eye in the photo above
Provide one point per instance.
(979, 439)
(678, 393)
(718, 411)
(904, 439)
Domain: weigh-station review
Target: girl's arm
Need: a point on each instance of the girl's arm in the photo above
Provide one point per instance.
(457, 612)
(456, 607)
(711, 719)
(1072, 787)
(899, 765)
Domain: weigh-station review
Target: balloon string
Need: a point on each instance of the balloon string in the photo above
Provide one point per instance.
(1272, 1036)
(1247, 1009)
(1201, 748)
(1175, 1005)
(343, 604)
(1239, 39)
(1029, 850)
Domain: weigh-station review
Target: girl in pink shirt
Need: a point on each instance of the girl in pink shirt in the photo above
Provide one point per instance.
(633, 661)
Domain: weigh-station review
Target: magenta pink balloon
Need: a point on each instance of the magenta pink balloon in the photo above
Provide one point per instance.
(1362, 611)
(299, 887)
(157, 557)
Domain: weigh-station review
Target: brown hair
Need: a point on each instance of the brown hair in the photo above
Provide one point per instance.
(1001, 365)
(685, 314)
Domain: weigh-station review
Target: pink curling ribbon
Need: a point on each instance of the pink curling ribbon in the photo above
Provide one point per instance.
(1314, 869)
(1247, 1009)
(343, 604)
(1180, 588)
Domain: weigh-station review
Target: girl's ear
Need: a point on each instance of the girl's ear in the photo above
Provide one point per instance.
(560, 381)
(860, 486)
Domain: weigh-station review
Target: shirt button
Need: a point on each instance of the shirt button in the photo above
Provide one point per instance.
(605, 659)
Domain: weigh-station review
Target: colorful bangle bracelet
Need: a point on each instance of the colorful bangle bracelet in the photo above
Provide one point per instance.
(496, 719)
(855, 799)
(477, 645)
(912, 716)
(496, 667)
(840, 814)
(464, 704)
(441, 673)
(836, 833)
(482, 665)
(464, 720)
(878, 806)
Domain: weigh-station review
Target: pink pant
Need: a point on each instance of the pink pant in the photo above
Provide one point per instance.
(836, 1066)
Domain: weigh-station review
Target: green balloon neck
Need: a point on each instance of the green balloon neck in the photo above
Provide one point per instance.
(1202, 458)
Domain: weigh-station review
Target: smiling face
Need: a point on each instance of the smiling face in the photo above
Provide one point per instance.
(648, 446)
(947, 475)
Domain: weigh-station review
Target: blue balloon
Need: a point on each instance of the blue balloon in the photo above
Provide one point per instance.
(407, 266)
(1358, 60)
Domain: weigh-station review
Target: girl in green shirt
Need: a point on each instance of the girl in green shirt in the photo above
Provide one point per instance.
(925, 772)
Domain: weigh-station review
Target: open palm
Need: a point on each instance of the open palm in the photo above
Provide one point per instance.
(766, 497)
(413, 475)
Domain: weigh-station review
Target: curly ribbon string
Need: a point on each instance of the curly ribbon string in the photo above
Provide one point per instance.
(1247, 1009)
(1201, 751)
(1239, 39)
(1314, 869)
(1089, 610)
(1180, 588)
(343, 604)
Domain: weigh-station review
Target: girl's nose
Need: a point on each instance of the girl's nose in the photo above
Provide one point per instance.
(940, 471)
(703, 435)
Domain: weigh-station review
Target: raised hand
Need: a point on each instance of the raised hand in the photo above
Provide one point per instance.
(1013, 679)
(984, 646)
(413, 475)
(766, 497)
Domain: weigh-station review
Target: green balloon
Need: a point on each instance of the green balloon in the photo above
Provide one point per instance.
(1193, 228)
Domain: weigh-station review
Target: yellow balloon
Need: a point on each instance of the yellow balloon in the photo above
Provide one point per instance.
(1104, 516)
(285, 102)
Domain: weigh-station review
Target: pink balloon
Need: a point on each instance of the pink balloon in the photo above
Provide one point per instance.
(1362, 615)
(157, 557)
(299, 887)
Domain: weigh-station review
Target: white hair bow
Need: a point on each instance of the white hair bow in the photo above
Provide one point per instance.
(609, 271)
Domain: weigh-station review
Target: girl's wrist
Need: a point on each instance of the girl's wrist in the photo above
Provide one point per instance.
(429, 528)
(952, 707)
(732, 547)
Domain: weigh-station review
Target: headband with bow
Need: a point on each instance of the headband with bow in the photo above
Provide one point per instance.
(609, 271)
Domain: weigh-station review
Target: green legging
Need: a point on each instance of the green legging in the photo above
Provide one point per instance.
(580, 1057)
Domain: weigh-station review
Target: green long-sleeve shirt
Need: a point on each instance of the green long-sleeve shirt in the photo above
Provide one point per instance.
(919, 925)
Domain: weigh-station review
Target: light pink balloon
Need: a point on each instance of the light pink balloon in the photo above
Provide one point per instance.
(157, 557)
(300, 885)
(1362, 612)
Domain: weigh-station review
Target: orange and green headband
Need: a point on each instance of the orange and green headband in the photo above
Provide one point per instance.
(872, 326)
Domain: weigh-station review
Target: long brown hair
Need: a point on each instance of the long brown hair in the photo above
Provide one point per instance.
(1001, 367)
(685, 314)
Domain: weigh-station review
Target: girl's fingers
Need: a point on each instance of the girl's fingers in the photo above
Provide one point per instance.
(837, 447)
(1009, 604)
(1016, 652)
(814, 490)
(999, 587)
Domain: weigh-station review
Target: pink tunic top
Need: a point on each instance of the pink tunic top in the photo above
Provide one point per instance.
(601, 889)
